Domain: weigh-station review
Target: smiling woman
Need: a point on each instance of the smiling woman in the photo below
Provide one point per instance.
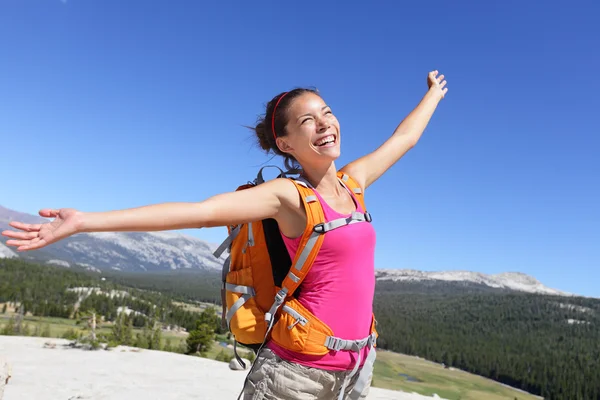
(336, 299)
(306, 113)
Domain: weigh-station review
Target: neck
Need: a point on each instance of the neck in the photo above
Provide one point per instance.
(324, 179)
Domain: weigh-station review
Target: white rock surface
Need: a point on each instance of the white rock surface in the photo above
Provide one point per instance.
(123, 373)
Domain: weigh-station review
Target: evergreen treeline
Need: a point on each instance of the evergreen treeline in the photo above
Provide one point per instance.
(43, 291)
(188, 286)
(40, 289)
(546, 345)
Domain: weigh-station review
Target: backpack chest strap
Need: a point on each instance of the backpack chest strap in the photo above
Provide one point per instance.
(338, 223)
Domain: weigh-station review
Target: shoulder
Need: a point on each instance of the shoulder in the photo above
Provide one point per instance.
(291, 215)
(285, 190)
(351, 178)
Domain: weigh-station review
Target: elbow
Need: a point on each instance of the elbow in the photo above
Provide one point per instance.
(407, 140)
(411, 141)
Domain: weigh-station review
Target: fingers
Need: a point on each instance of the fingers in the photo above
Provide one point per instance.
(20, 235)
(16, 243)
(434, 79)
(24, 245)
(437, 82)
(49, 213)
(25, 227)
(32, 245)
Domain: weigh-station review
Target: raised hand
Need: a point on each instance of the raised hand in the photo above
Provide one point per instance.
(436, 83)
(35, 236)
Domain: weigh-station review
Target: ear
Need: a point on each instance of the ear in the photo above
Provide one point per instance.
(283, 145)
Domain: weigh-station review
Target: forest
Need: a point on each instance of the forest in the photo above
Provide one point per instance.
(44, 291)
(546, 345)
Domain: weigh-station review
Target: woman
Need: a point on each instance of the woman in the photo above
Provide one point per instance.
(301, 127)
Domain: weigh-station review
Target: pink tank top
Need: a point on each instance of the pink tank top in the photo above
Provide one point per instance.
(338, 289)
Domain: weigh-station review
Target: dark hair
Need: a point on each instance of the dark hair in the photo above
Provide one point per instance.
(264, 127)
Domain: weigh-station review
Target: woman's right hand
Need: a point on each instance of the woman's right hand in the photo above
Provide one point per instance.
(35, 236)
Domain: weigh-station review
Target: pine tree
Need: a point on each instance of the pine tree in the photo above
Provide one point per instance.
(200, 340)
(122, 332)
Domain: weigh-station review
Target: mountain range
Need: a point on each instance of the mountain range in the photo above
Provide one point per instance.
(163, 251)
(122, 251)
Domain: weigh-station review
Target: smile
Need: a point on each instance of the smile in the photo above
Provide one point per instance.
(328, 140)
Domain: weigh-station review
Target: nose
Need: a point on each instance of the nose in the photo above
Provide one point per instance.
(322, 124)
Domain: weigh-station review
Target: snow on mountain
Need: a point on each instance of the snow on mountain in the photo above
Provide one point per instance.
(5, 252)
(122, 251)
(507, 280)
(139, 251)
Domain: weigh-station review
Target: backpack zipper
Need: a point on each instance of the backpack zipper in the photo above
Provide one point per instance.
(250, 241)
(299, 318)
(250, 235)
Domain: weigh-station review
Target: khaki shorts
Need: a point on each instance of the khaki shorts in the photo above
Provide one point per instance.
(273, 378)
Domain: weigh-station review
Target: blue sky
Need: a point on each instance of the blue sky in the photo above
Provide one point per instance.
(110, 104)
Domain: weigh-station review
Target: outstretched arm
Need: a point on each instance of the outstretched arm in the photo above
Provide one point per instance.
(370, 167)
(260, 202)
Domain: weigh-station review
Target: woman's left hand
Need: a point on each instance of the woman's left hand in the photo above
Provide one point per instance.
(437, 84)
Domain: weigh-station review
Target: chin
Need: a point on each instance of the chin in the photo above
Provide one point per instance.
(332, 154)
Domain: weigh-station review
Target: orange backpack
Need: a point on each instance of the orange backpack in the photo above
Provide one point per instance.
(260, 280)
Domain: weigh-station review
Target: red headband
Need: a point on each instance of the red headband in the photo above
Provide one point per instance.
(273, 118)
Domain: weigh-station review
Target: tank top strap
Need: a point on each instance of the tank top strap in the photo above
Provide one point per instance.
(330, 213)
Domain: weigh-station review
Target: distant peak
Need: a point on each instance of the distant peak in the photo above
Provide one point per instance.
(506, 280)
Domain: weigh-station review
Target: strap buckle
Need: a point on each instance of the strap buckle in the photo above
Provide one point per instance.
(372, 341)
(368, 217)
(319, 228)
(334, 343)
(280, 296)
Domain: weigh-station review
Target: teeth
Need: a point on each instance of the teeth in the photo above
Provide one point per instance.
(327, 139)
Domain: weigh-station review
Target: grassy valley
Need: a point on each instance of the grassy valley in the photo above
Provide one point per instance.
(413, 374)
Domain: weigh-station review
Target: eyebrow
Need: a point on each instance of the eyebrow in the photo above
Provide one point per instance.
(308, 114)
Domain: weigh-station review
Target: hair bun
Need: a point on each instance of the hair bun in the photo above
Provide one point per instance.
(263, 136)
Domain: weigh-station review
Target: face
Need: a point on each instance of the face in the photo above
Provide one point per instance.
(313, 132)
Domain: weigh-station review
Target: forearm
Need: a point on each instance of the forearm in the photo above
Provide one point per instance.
(224, 209)
(158, 217)
(413, 126)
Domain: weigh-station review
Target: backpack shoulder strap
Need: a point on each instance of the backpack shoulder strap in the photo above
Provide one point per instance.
(311, 241)
(308, 248)
(354, 186)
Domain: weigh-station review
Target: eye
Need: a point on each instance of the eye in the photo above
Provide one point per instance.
(304, 120)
